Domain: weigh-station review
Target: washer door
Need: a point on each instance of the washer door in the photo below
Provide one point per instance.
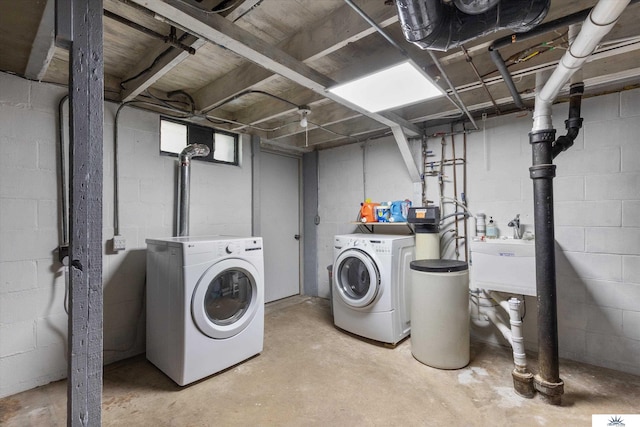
(226, 298)
(356, 278)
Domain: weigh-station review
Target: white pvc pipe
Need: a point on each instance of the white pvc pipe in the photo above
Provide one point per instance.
(490, 312)
(497, 298)
(513, 334)
(597, 25)
(519, 355)
(517, 339)
(574, 30)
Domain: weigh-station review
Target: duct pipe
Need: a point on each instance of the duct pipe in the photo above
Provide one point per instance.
(438, 25)
(600, 21)
(184, 182)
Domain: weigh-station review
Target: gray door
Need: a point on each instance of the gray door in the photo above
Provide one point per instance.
(280, 224)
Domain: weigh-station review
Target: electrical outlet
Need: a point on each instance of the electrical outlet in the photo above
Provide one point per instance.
(119, 243)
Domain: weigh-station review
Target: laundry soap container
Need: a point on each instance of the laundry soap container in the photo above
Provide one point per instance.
(440, 312)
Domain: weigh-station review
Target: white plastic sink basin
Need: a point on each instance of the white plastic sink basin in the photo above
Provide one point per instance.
(505, 265)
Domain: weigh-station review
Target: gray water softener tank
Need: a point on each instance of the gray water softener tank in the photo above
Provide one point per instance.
(440, 313)
(426, 224)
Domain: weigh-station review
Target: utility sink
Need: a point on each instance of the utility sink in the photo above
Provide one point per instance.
(505, 265)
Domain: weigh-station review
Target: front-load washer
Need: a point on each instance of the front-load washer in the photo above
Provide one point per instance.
(370, 285)
(205, 304)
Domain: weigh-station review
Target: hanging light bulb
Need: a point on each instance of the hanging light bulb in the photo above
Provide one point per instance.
(304, 111)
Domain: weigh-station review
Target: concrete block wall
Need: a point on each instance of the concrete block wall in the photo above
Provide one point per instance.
(597, 206)
(33, 323)
(348, 175)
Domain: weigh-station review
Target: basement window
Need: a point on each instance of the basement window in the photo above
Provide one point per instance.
(176, 134)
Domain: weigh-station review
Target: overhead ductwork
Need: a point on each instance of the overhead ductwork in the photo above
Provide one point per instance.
(475, 7)
(440, 25)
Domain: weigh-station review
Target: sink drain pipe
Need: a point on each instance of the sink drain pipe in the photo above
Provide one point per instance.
(522, 377)
(184, 184)
(542, 138)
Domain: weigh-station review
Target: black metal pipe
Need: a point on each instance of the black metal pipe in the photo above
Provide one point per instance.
(506, 76)
(542, 172)
(170, 39)
(573, 123)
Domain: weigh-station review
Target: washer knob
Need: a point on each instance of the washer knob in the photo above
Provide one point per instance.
(229, 249)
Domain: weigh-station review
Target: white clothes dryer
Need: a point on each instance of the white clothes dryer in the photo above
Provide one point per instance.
(371, 285)
(205, 304)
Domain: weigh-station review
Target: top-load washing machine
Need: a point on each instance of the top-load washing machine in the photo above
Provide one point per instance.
(370, 285)
(205, 304)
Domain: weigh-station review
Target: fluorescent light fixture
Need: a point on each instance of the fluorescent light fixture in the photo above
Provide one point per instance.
(393, 87)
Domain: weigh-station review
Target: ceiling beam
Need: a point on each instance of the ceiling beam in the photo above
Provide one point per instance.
(382, 57)
(601, 73)
(332, 33)
(43, 46)
(222, 32)
(155, 65)
(152, 69)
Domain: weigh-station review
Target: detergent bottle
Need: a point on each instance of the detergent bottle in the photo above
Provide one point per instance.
(368, 211)
(383, 213)
(399, 210)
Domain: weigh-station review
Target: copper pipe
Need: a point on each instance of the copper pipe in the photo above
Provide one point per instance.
(469, 60)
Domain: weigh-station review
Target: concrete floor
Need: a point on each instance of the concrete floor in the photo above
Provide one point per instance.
(311, 373)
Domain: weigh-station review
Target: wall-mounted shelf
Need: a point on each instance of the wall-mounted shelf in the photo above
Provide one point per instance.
(370, 226)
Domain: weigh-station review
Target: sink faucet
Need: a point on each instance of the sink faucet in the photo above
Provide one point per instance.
(515, 223)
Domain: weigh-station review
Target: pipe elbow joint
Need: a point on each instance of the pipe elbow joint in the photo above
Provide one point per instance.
(193, 150)
(563, 143)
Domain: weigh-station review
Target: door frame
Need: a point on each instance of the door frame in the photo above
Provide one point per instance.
(256, 150)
